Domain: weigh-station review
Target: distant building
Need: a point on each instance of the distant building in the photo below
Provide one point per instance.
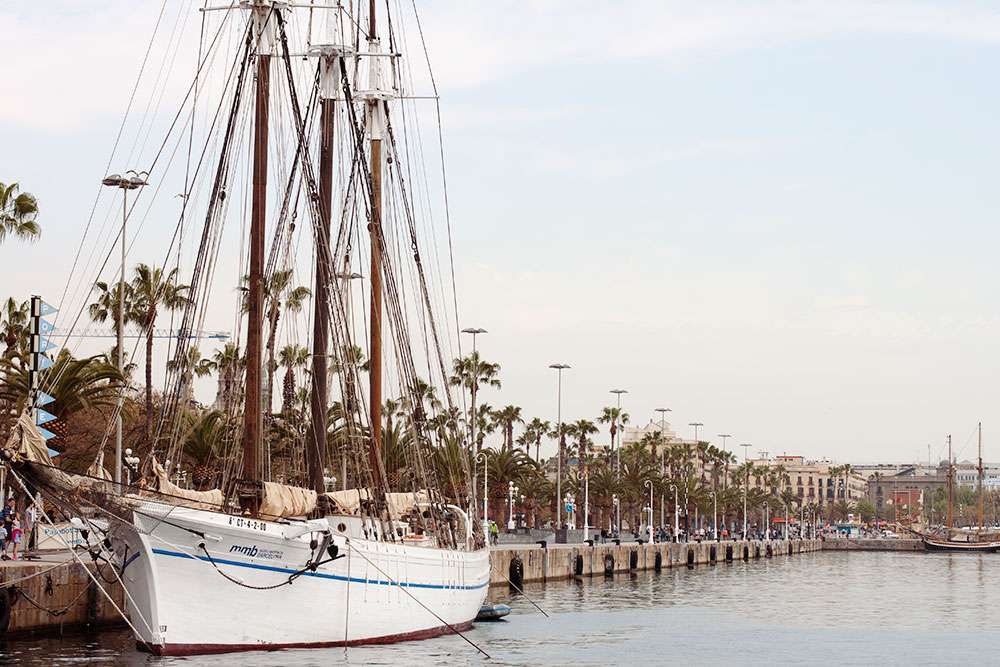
(813, 483)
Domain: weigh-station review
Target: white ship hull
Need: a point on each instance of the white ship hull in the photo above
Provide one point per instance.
(181, 601)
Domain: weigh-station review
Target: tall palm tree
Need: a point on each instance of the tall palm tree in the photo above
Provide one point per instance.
(582, 429)
(190, 366)
(471, 373)
(613, 416)
(229, 364)
(537, 429)
(153, 291)
(279, 296)
(507, 417)
(18, 213)
(14, 328)
(291, 357)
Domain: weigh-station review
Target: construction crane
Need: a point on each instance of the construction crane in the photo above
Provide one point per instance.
(97, 332)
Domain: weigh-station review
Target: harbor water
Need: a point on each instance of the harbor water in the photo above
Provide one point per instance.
(818, 608)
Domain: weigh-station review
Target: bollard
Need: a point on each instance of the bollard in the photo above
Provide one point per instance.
(515, 573)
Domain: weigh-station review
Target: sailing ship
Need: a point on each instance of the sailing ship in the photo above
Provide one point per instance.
(963, 541)
(257, 563)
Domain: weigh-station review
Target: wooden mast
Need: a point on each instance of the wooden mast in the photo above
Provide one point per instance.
(255, 294)
(375, 235)
(316, 452)
(951, 490)
(979, 523)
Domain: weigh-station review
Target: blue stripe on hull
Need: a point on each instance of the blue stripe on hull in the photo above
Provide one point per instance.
(321, 575)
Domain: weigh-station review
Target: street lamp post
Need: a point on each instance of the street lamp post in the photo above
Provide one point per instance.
(511, 491)
(486, 485)
(475, 331)
(586, 507)
(616, 451)
(677, 516)
(725, 452)
(559, 368)
(715, 515)
(649, 483)
(746, 482)
(131, 465)
(124, 183)
(618, 508)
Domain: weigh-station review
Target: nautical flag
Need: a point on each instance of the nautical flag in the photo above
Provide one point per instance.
(47, 345)
(43, 399)
(46, 433)
(44, 417)
(47, 309)
(52, 453)
(44, 362)
(45, 327)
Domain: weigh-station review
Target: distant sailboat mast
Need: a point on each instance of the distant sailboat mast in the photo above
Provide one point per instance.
(979, 519)
(951, 490)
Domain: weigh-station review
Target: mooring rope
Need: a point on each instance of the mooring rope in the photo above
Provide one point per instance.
(428, 609)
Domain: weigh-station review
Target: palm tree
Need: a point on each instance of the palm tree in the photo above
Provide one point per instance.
(613, 416)
(507, 417)
(190, 366)
(471, 373)
(290, 358)
(582, 429)
(229, 364)
(18, 213)
(538, 429)
(152, 290)
(15, 328)
(277, 288)
(201, 443)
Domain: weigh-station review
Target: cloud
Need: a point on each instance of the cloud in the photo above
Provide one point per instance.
(66, 66)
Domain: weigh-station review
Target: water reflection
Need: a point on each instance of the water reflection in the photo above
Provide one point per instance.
(855, 608)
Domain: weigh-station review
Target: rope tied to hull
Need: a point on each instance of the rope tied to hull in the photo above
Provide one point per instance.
(425, 607)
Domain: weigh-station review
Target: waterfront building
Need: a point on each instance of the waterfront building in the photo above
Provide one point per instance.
(814, 482)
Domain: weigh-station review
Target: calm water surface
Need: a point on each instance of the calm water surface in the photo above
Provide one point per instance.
(848, 608)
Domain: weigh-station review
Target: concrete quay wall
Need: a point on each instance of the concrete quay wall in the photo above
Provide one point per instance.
(49, 597)
(839, 544)
(563, 561)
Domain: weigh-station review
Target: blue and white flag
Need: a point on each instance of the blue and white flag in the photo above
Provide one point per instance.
(43, 399)
(46, 433)
(44, 417)
(46, 309)
(44, 362)
(45, 327)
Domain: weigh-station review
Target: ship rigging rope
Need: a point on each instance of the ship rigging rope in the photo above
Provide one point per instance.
(110, 598)
(111, 157)
(49, 382)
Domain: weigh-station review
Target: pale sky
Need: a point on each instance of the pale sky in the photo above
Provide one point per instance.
(776, 218)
